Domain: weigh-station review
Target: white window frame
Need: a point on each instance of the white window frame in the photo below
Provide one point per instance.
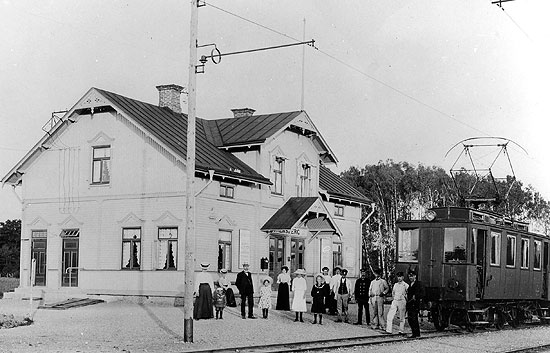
(495, 249)
(524, 253)
(103, 162)
(537, 249)
(305, 173)
(225, 241)
(167, 238)
(278, 176)
(227, 191)
(511, 251)
(339, 210)
(131, 241)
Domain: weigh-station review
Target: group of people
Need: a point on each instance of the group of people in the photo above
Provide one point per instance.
(330, 294)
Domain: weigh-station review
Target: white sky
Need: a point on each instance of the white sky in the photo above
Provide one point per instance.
(404, 80)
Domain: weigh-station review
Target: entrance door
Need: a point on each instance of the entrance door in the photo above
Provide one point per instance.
(70, 262)
(276, 257)
(38, 253)
(296, 254)
(431, 254)
(481, 248)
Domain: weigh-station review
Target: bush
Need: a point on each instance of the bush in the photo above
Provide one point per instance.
(9, 321)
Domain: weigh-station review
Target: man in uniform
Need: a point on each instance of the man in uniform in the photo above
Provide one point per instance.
(415, 294)
(362, 297)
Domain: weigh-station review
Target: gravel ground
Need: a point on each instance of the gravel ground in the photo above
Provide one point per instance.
(147, 326)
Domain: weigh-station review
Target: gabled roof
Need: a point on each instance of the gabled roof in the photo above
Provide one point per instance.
(166, 126)
(338, 188)
(250, 129)
(256, 129)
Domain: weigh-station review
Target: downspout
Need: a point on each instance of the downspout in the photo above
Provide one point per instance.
(373, 207)
(211, 173)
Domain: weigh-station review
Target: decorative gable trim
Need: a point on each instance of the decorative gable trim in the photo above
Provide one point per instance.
(101, 139)
(167, 219)
(131, 220)
(226, 223)
(38, 223)
(71, 222)
(91, 100)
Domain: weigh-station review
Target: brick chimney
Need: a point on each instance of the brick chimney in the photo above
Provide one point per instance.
(242, 112)
(169, 96)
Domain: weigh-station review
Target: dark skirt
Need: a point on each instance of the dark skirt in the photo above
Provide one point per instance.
(283, 302)
(318, 303)
(203, 304)
(230, 298)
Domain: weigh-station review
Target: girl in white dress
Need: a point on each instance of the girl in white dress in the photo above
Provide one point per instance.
(299, 287)
(265, 297)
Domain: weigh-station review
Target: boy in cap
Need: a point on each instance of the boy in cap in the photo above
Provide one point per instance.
(377, 290)
(246, 289)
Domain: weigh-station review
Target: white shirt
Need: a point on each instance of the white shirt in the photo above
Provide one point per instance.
(400, 291)
(203, 277)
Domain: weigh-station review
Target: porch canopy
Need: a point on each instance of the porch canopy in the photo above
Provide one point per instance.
(301, 214)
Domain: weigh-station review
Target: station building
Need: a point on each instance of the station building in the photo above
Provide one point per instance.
(103, 198)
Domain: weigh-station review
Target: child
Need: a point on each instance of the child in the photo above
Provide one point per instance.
(319, 291)
(265, 297)
(219, 301)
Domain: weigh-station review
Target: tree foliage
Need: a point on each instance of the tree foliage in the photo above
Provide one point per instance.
(10, 236)
(404, 191)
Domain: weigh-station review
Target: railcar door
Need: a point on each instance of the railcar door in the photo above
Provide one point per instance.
(431, 257)
(545, 263)
(480, 236)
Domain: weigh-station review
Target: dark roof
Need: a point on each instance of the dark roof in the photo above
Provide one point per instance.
(290, 213)
(338, 188)
(171, 128)
(249, 129)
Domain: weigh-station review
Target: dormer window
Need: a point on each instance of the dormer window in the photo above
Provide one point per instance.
(101, 165)
(278, 171)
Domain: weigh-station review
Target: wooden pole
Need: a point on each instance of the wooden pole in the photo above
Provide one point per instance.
(190, 180)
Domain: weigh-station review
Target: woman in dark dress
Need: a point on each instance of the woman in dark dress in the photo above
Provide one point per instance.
(204, 285)
(283, 279)
(319, 291)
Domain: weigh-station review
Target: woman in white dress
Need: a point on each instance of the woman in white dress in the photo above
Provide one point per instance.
(299, 287)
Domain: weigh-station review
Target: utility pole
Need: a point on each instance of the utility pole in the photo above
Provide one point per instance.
(190, 181)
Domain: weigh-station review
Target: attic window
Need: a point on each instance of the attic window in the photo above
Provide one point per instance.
(101, 165)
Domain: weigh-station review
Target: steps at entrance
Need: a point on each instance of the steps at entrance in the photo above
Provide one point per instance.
(71, 303)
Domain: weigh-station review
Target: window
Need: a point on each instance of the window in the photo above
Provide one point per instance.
(336, 255)
(131, 248)
(524, 253)
(278, 176)
(473, 245)
(339, 210)
(536, 251)
(455, 245)
(167, 248)
(511, 250)
(305, 180)
(224, 250)
(101, 165)
(495, 248)
(227, 191)
(407, 246)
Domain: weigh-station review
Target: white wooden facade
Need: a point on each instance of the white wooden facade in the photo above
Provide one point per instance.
(64, 208)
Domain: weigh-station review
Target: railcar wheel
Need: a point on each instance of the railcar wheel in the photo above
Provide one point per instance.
(500, 320)
(512, 317)
(438, 319)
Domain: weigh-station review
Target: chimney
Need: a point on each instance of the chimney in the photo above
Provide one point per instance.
(242, 112)
(169, 96)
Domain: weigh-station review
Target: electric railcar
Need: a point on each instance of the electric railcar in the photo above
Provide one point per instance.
(478, 267)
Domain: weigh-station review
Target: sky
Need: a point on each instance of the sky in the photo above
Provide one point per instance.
(400, 80)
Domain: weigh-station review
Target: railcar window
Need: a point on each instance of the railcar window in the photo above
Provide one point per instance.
(473, 245)
(511, 250)
(455, 245)
(495, 248)
(537, 251)
(407, 246)
(524, 253)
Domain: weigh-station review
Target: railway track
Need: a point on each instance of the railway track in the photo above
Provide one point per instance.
(329, 344)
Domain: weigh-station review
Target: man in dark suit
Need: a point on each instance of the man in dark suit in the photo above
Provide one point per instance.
(246, 289)
(362, 297)
(415, 294)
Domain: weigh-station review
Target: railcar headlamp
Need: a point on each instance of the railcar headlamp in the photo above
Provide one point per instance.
(430, 215)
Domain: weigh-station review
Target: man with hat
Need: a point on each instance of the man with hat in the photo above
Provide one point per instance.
(204, 286)
(246, 289)
(377, 290)
(342, 292)
(415, 294)
(361, 293)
